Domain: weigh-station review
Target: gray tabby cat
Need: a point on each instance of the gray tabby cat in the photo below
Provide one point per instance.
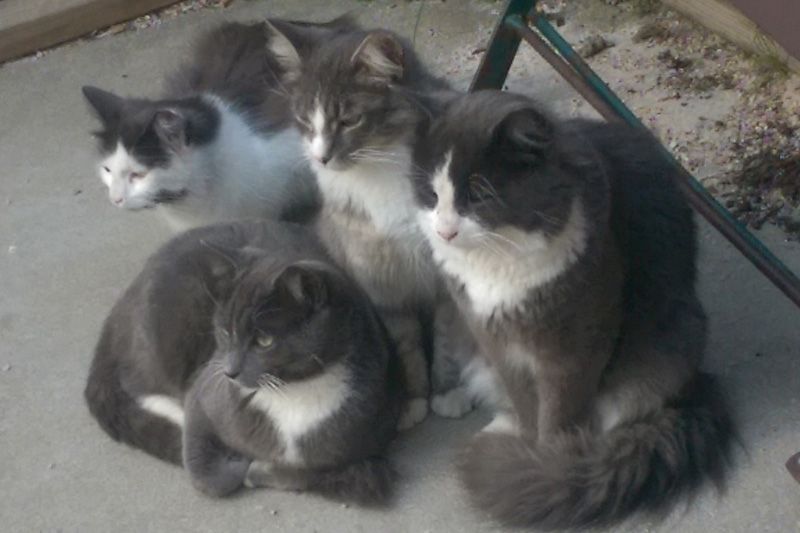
(220, 146)
(160, 333)
(359, 103)
(573, 255)
(303, 393)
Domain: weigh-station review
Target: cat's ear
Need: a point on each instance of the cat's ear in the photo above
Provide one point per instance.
(284, 52)
(379, 58)
(107, 106)
(305, 285)
(170, 127)
(526, 131)
(225, 262)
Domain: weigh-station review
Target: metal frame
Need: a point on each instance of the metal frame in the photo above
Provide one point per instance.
(520, 21)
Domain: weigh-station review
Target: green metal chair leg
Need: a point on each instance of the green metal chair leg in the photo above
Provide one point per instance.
(492, 72)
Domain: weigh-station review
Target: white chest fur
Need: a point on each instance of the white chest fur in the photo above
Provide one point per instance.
(297, 409)
(370, 214)
(243, 173)
(378, 188)
(499, 277)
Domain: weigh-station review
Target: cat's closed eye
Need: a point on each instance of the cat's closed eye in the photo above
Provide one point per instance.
(107, 169)
(351, 121)
(265, 341)
(136, 175)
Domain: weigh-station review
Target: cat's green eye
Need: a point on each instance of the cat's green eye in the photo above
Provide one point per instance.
(265, 341)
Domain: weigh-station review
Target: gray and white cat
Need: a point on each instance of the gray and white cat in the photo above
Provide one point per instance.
(160, 333)
(359, 103)
(304, 392)
(220, 146)
(572, 253)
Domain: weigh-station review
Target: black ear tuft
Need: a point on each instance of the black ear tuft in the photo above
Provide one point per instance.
(107, 106)
(380, 58)
(526, 131)
(304, 284)
(170, 126)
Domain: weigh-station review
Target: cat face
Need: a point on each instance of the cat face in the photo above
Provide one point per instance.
(344, 97)
(146, 146)
(282, 331)
(491, 175)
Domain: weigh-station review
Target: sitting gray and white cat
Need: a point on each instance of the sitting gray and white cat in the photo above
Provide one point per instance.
(304, 391)
(572, 253)
(160, 333)
(220, 146)
(359, 103)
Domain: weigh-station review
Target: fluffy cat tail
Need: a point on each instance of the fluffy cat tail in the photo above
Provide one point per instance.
(126, 419)
(589, 480)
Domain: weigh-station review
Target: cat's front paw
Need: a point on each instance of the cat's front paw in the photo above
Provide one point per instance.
(413, 413)
(262, 474)
(454, 403)
(502, 423)
(259, 474)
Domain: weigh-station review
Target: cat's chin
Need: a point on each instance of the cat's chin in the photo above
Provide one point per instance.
(335, 165)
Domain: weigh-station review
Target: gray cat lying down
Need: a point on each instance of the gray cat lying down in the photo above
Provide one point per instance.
(302, 393)
(160, 335)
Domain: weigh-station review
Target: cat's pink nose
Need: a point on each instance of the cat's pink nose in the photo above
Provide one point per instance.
(447, 234)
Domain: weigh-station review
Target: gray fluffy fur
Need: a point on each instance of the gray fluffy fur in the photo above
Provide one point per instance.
(619, 330)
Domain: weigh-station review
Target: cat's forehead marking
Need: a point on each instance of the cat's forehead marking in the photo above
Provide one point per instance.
(319, 145)
(120, 162)
(317, 117)
(442, 184)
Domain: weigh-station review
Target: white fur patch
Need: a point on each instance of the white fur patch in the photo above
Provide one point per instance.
(446, 218)
(163, 406)
(379, 188)
(503, 423)
(318, 147)
(241, 174)
(297, 408)
(499, 267)
(454, 403)
(122, 190)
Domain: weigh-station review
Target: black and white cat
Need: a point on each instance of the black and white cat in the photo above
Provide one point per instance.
(359, 103)
(572, 254)
(220, 146)
(304, 392)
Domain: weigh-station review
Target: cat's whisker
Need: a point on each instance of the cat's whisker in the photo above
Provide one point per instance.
(319, 361)
(503, 239)
(492, 246)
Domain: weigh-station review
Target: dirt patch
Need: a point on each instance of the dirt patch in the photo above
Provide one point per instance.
(730, 117)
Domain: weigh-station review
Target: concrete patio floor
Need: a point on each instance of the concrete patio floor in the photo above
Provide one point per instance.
(66, 254)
